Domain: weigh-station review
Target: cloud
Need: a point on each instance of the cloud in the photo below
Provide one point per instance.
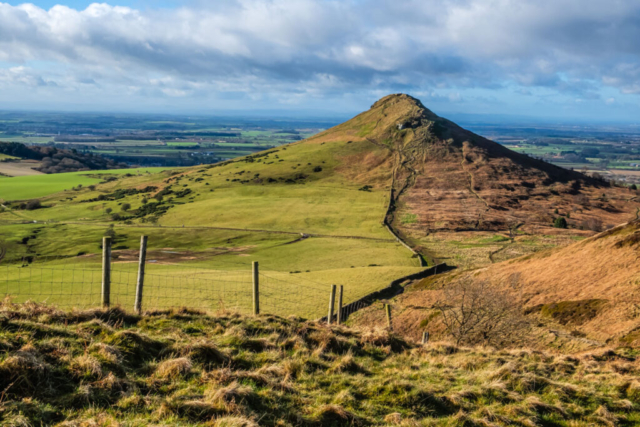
(306, 49)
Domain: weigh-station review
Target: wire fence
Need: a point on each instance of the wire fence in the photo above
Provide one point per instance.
(77, 282)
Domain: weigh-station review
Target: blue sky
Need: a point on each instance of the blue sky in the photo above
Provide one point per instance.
(562, 60)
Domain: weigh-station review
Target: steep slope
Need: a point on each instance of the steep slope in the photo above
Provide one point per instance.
(586, 292)
(446, 179)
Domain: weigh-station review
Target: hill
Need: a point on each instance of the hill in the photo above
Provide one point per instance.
(328, 208)
(453, 188)
(581, 296)
(182, 368)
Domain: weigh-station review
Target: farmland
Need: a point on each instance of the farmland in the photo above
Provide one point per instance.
(612, 151)
(35, 185)
(150, 140)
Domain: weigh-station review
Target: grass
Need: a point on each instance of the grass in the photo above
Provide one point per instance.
(183, 367)
(308, 227)
(36, 186)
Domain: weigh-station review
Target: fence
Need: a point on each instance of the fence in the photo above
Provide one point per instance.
(131, 280)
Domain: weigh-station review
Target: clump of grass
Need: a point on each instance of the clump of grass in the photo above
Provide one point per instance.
(234, 422)
(86, 366)
(173, 368)
(335, 415)
(230, 395)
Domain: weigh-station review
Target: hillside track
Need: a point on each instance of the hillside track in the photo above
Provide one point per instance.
(403, 159)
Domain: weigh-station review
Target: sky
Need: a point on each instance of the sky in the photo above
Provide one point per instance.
(561, 60)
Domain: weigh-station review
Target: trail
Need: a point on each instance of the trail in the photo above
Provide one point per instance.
(497, 251)
(402, 163)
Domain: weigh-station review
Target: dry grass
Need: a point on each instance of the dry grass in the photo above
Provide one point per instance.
(173, 368)
(289, 372)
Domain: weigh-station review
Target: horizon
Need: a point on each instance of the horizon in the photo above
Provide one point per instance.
(566, 62)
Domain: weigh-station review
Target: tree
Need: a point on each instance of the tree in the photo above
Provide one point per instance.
(108, 210)
(560, 222)
(476, 312)
(144, 200)
(125, 207)
(33, 205)
(633, 187)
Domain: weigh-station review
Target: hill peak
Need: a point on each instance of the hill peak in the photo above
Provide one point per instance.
(403, 101)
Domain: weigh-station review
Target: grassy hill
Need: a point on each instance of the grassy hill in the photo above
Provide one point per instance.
(318, 209)
(182, 368)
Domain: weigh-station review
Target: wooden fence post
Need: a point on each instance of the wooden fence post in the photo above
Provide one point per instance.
(332, 303)
(106, 271)
(143, 257)
(425, 337)
(256, 289)
(340, 305)
(387, 308)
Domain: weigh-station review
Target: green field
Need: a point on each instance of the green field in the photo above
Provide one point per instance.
(291, 209)
(35, 186)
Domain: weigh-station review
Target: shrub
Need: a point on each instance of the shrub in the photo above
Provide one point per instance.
(560, 222)
(593, 224)
(125, 207)
(480, 313)
(33, 205)
(317, 169)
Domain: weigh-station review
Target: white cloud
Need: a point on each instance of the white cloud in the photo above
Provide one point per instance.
(316, 47)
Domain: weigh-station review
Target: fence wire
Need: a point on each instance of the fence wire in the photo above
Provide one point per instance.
(76, 282)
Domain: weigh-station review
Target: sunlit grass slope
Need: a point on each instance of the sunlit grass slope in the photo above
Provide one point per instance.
(311, 213)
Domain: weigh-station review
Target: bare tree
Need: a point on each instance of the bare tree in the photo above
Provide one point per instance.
(476, 312)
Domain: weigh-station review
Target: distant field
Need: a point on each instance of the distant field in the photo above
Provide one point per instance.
(19, 168)
(26, 139)
(40, 185)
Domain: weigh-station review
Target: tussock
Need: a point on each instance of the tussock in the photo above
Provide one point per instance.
(107, 352)
(234, 422)
(229, 397)
(173, 368)
(347, 363)
(192, 409)
(335, 415)
(206, 353)
(86, 366)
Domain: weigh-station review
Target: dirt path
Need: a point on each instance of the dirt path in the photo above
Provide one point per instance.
(403, 160)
